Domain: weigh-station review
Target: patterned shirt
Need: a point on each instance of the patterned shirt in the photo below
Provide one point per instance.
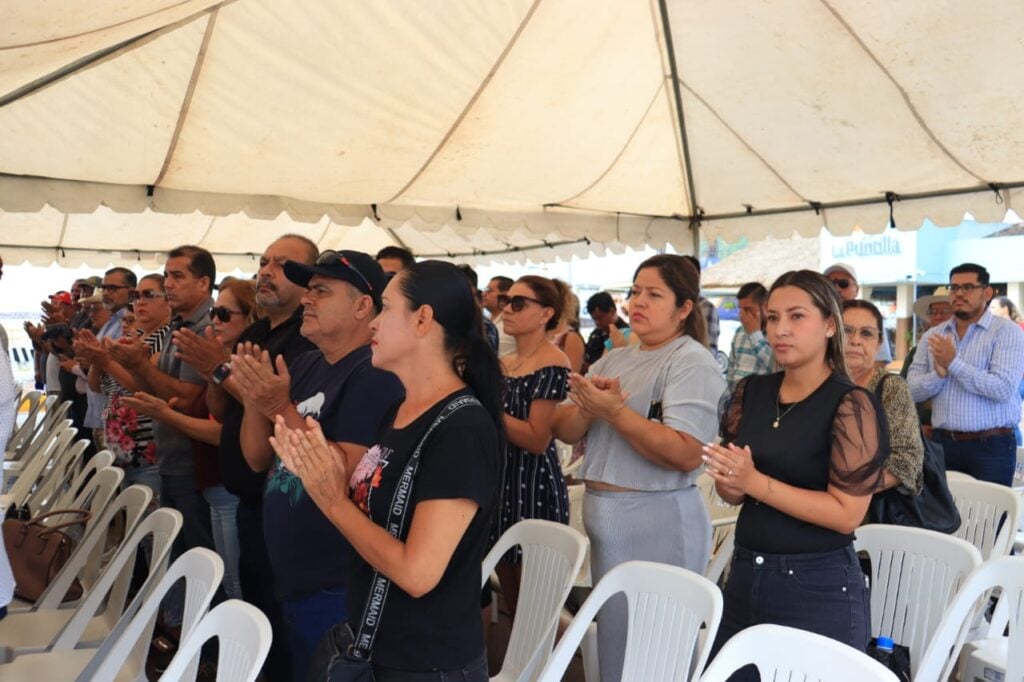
(980, 392)
(711, 316)
(750, 354)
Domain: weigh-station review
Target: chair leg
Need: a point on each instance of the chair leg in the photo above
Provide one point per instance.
(591, 665)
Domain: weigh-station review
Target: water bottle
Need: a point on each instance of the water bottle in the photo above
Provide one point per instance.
(882, 650)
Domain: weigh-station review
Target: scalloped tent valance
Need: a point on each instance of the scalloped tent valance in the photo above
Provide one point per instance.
(511, 128)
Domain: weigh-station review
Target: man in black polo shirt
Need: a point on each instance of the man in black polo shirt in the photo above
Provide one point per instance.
(278, 333)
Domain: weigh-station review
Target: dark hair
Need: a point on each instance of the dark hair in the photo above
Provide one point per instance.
(504, 283)
(965, 268)
(398, 253)
(441, 286)
(825, 298)
(244, 291)
(469, 272)
(602, 301)
(312, 248)
(754, 290)
(127, 276)
(694, 261)
(200, 262)
(861, 304)
(1011, 308)
(683, 280)
(550, 293)
(156, 277)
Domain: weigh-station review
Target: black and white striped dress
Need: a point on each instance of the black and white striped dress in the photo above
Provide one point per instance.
(532, 485)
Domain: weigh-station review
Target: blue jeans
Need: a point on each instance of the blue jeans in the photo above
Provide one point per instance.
(223, 508)
(472, 672)
(992, 458)
(825, 593)
(306, 619)
(147, 475)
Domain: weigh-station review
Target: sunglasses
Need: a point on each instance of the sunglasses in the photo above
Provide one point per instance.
(147, 294)
(328, 257)
(223, 313)
(865, 333)
(842, 283)
(517, 303)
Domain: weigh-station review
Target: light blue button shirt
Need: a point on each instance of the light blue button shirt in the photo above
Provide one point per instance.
(980, 392)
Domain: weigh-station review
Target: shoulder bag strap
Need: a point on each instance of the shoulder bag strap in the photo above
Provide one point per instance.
(397, 516)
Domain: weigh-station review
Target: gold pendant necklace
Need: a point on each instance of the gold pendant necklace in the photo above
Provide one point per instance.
(778, 410)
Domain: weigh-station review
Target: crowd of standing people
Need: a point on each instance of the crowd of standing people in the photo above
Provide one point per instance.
(288, 416)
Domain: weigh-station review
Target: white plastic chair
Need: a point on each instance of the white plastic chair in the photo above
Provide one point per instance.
(576, 493)
(989, 515)
(723, 545)
(244, 637)
(914, 575)
(101, 460)
(958, 476)
(552, 556)
(122, 656)
(34, 468)
(63, 467)
(785, 653)
(667, 606)
(88, 624)
(132, 501)
(29, 402)
(1006, 573)
(46, 425)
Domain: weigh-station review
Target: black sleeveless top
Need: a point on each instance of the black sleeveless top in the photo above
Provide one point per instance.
(837, 435)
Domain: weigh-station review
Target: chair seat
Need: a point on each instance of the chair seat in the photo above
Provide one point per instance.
(59, 666)
(25, 632)
(984, 659)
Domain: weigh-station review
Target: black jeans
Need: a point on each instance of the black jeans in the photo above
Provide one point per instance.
(473, 672)
(825, 593)
(992, 458)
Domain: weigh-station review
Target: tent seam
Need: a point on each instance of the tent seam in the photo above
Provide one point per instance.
(899, 88)
(472, 101)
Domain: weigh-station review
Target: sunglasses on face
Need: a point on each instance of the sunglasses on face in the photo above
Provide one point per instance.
(965, 288)
(865, 333)
(328, 257)
(223, 313)
(147, 295)
(842, 283)
(517, 303)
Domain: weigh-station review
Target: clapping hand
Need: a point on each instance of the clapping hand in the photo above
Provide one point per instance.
(600, 397)
(318, 464)
(254, 375)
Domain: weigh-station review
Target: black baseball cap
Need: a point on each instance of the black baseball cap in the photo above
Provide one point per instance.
(359, 269)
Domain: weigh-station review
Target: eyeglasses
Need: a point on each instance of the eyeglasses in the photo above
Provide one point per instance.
(865, 333)
(842, 283)
(114, 287)
(328, 257)
(223, 313)
(145, 294)
(517, 303)
(966, 288)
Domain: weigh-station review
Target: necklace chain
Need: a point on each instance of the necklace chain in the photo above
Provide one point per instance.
(778, 410)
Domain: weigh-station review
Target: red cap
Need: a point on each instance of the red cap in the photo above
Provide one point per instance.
(61, 297)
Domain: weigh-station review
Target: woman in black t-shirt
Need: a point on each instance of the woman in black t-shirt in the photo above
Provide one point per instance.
(803, 450)
(430, 334)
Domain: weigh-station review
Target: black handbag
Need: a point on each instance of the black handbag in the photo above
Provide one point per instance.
(933, 509)
(342, 656)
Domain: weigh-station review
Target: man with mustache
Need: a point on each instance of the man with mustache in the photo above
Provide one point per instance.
(278, 333)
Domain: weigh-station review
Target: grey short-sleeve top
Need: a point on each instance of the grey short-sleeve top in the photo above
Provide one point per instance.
(684, 377)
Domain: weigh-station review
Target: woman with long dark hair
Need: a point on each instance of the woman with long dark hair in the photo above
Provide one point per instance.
(429, 334)
(803, 450)
(646, 410)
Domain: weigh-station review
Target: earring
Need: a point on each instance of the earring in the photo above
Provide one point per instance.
(828, 334)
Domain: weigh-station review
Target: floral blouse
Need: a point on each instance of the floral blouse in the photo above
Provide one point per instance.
(906, 456)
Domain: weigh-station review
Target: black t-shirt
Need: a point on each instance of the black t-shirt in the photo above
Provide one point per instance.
(594, 349)
(441, 629)
(350, 399)
(235, 474)
(837, 435)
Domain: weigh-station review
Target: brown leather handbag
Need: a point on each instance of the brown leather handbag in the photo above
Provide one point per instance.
(38, 552)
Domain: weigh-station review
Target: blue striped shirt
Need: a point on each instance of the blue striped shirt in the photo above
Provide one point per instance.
(980, 392)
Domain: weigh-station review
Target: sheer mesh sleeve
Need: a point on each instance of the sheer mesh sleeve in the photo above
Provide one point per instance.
(860, 444)
(731, 410)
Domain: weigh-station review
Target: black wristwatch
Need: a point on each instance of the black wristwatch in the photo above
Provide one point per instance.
(221, 373)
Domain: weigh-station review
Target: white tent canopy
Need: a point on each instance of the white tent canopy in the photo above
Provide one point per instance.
(474, 127)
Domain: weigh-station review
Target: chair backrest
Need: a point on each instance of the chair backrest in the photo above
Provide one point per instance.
(34, 467)
(1006, 573)
(914, 575)
(243, 634)
(133, 501)
(55, 414)
(62, 469)
(667, 606)
(29, 402)
(784, 653)
(722, 546)
(552, 556)
(958, 476)
(100, 460)
(41, 428)
(111, 589)
(989, 514)
(576, 493)
(127, 647)
(95, 495)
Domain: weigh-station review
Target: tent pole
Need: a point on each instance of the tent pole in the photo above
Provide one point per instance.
(684, 143)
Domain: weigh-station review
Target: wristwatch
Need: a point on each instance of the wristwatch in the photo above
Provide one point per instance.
(221, 373)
